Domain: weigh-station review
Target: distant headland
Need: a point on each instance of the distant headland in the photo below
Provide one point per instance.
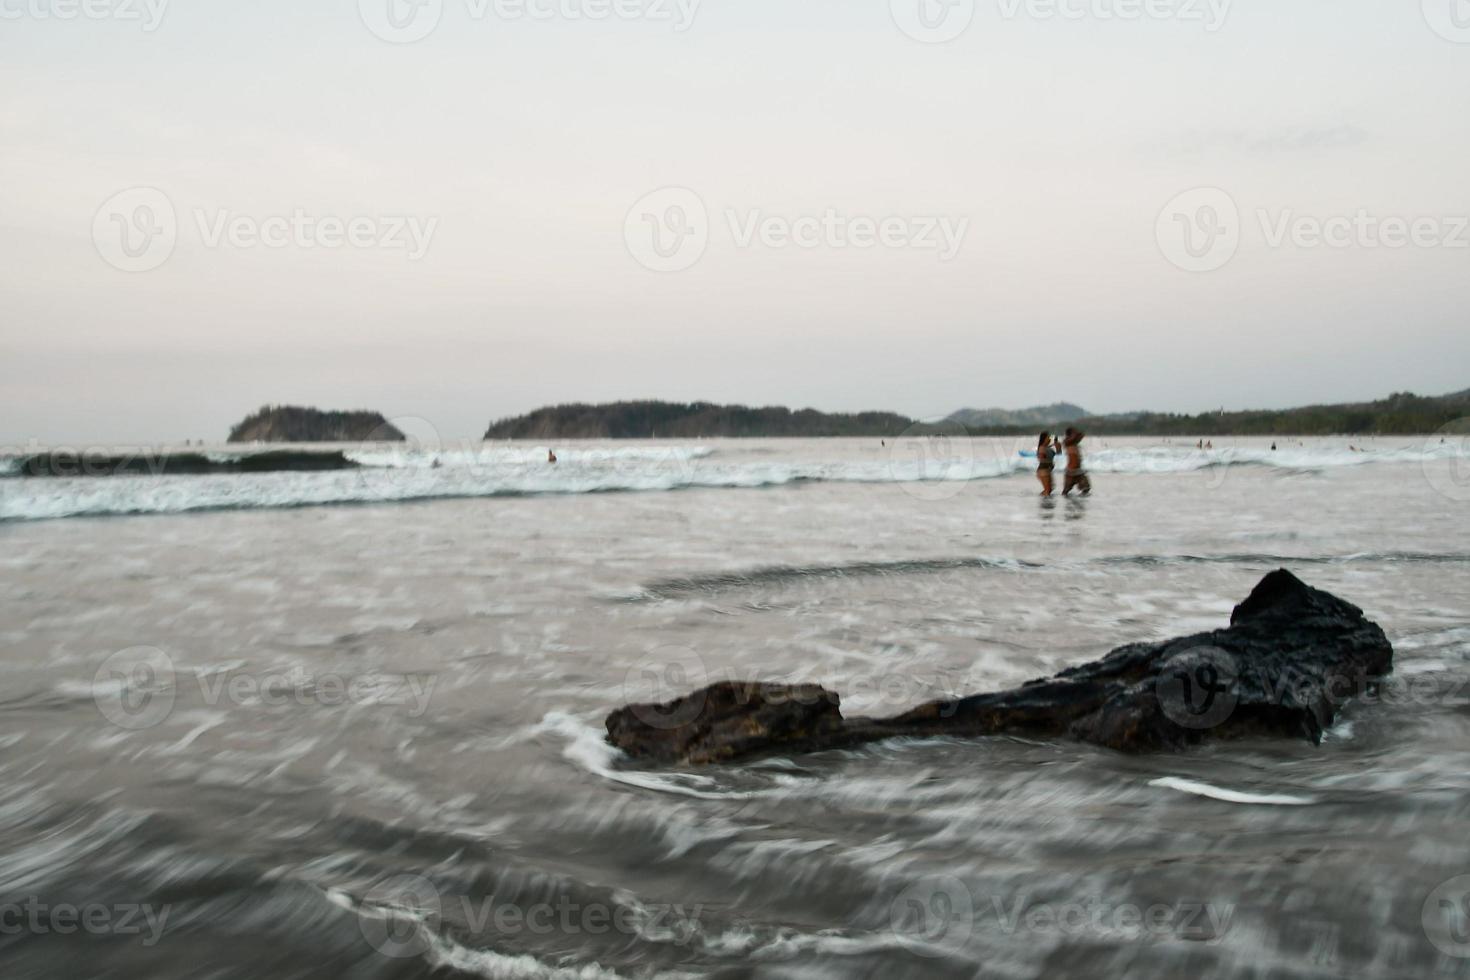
(698, 420)
(289, 423)
(1398, 414)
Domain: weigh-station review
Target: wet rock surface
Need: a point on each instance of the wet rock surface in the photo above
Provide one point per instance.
(1290, 659)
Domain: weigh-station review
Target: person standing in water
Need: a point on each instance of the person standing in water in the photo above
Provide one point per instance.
(1045, 457)
(1076, 475)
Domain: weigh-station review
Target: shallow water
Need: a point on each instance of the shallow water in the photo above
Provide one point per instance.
(274, 739)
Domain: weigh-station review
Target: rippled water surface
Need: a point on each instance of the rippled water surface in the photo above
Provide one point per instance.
(247, 734)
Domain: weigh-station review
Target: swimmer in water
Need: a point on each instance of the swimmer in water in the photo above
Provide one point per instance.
(1045, 456)
(551, 456)
(1076, 475)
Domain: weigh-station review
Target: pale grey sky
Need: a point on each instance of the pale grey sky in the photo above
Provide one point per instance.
(491, 169)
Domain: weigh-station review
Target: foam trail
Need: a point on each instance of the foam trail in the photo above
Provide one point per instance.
(1229, 795)
(588, 749)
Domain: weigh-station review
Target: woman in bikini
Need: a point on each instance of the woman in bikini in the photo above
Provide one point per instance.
(1045, 456)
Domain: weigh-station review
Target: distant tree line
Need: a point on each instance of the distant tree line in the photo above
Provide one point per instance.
(697, 420)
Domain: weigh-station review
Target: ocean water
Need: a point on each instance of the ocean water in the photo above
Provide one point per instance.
(350, 724)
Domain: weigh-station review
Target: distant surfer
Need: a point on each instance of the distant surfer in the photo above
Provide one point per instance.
(1045, 456)
(1076, 475)
(551, 455)
(1273, 447)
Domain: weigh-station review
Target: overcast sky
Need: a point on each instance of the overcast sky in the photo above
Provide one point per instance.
(489, 172)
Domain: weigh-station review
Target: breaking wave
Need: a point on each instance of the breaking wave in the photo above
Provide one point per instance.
(400, 474)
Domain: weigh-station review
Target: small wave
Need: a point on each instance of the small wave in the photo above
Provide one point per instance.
(445, 953)
(784, 574)
(778, 574)
(1195, 788)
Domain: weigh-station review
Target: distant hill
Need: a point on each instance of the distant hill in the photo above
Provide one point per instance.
(699, 420)
(1398, 414)
(288, 423)
(1028, 418)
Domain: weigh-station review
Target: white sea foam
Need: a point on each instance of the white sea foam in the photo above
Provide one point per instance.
(1229, 795)
(587, 747)
(391, 474)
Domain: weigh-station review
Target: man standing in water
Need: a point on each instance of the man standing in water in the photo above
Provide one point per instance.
(1076, 475)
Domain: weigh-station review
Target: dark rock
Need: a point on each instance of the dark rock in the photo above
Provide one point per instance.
(70, 464)
(1292, 656)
